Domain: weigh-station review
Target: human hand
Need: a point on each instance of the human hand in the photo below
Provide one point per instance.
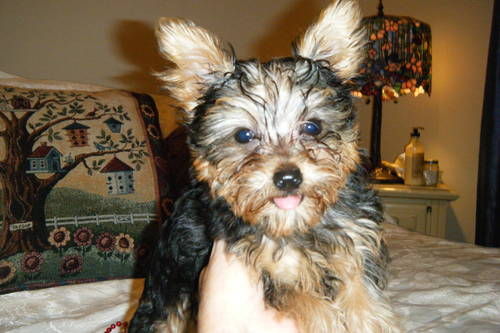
(231, 300)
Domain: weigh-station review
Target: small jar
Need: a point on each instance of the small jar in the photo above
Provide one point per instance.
(431, 172)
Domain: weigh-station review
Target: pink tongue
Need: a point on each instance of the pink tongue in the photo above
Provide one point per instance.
(288, 202)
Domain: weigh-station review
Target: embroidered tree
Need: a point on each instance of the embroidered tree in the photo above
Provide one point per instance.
(29, 119)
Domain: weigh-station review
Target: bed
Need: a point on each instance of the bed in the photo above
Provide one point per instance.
(435, 286)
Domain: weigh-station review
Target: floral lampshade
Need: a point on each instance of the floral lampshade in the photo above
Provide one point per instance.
(399, 57)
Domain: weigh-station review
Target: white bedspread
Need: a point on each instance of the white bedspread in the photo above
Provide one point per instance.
(435, 285)
(441, 286)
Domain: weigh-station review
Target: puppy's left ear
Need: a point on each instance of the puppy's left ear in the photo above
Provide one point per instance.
(200, 58)
(337, 38)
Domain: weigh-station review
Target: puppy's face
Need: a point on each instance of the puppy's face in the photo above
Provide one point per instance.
(275, 140)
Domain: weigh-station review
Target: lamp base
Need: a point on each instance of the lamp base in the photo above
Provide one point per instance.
(384, 175)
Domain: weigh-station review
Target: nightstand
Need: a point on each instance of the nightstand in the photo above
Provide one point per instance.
(417, 208)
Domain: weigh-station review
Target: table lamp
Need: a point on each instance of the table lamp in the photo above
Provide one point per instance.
(398, 62)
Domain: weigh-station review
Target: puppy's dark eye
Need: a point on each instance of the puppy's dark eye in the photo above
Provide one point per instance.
(244, 135)
(311, 127)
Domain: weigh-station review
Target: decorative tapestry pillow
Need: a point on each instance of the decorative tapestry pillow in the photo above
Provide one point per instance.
(83, 185)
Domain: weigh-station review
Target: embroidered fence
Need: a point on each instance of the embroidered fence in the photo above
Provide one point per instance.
(76, 221)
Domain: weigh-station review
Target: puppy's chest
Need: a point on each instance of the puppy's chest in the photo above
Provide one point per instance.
(294, 267)
(286, 265)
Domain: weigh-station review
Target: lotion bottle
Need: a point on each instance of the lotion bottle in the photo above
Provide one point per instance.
(414, 159)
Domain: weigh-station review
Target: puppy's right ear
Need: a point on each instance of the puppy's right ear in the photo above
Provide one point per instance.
(200, 58)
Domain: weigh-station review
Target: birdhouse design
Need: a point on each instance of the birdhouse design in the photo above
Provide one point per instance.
(119, 177)
(44, 159)
(78, 135)
(114, 125)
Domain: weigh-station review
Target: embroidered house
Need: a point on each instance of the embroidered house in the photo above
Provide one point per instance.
(114, 125)
(44, 159)
(77, 133)
(119, 177)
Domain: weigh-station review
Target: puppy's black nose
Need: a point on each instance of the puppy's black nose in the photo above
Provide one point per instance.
(288, 179)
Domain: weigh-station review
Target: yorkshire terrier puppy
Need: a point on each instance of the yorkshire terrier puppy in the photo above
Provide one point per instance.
(276, 173)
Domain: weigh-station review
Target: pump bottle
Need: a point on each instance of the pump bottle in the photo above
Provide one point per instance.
(414, 159)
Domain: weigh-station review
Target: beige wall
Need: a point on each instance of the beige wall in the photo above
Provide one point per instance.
(111, 42)
(452, 115)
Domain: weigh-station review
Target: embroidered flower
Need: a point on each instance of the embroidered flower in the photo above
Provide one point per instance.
(71, 264)
(83, 236)
(7, 271)
(105, 242)
(124, 243)
(59, 237)
(32, 262)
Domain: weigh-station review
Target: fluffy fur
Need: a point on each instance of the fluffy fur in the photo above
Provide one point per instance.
(322, 262)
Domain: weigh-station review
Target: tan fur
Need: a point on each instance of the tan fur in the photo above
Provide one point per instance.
(249, 188)
(199, 56)
(357, 306)
(336, 37)
(178, 321)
